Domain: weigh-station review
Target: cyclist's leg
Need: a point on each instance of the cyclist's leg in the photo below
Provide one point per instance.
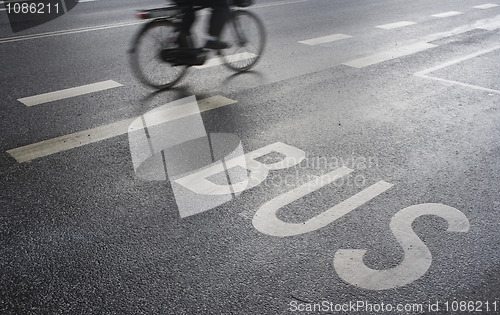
(220, 14)
(188, 19)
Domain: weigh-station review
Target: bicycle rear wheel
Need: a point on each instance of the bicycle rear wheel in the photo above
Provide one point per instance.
(146, 61)
(246, 34)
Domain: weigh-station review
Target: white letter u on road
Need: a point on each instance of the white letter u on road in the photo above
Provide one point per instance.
(265, 220)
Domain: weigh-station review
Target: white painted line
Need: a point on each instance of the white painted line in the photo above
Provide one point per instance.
(391, 26)
(266, 221)
(349, 263)
(66, 32)
(67, 142)
(219, 61)
(324, 39)
(489, 24)
(458, 60)
(447, 14)
(486, 6)
(486, 24)
(67, 93)
(389, 55)
(475, 87)
(80, 1)
(425, 73)
(81, 138)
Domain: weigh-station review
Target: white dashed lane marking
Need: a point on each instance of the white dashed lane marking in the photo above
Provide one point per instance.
(447, 14)
(389, 55)
(324, 39)
(486, 6)
(67, 93)
(391, 26)
(81, 138)
(490, 24)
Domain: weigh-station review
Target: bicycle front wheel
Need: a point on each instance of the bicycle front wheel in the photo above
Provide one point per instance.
(246, 34)
(145, 58)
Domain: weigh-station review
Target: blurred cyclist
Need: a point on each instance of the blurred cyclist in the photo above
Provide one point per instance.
(220, 14)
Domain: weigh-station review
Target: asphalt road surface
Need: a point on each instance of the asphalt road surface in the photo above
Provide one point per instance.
(354, 170)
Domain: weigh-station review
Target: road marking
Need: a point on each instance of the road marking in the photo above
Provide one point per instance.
(486, 24)
(66, 32)
(391, 26)
(80, 1)
(417, 259)
(81, 138)
(324, 39)
(176, 149)
(389, 55)
(67, 93)
(489, 24)
(266, 221)
(200, 184)
(425, 73)
(219, 61)
(447, 14)
(486, 6)
(276, 4)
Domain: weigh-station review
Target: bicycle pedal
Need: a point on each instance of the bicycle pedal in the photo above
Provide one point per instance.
(200, 58)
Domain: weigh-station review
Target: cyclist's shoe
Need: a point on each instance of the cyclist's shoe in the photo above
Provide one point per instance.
(216, 44)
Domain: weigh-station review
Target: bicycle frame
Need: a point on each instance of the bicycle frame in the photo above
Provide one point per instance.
(173, 13)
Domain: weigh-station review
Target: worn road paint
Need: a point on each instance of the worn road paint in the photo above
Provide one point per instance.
(349, 262)
(389, 55)
(266, 221)
(67, 93)
(199, 184)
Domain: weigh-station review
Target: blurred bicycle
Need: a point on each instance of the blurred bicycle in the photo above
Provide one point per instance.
(161, 52)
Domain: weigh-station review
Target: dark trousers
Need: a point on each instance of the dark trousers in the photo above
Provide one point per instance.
(220, 14)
